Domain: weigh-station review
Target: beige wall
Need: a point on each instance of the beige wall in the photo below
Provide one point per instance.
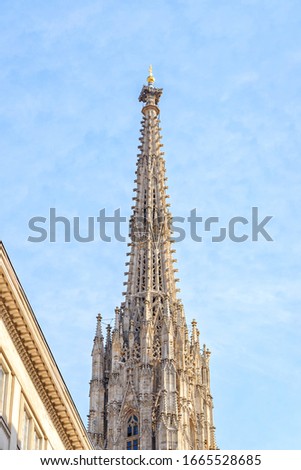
(20, 402)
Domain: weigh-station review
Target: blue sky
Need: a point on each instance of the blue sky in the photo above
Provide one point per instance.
(70, 76)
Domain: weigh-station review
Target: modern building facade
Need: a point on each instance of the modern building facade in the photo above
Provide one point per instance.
(150, 386)
(36, 409)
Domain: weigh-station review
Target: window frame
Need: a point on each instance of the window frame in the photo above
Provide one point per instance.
(132, 432)
(25, 430)
(35, 433)
(5, 388)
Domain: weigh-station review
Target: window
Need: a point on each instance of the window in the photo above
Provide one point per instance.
(31, 435)
(25, 431)
(132, 442)
(37, 440)
(2, 388)
(5, 388)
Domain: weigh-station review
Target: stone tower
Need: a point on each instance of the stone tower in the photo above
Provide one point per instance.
(150, 386)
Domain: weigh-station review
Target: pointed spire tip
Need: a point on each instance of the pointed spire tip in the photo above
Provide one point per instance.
(150, 78)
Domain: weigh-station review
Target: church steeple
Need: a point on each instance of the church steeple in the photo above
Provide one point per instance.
(156, 390)
(151, 271)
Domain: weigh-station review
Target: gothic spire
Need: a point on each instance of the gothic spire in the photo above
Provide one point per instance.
(151, 272)
(96, 421)
(154, 390)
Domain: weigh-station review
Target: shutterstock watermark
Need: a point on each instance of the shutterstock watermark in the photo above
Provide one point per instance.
(84, 230)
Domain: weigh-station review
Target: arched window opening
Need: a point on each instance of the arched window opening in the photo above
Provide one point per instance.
(132, 441)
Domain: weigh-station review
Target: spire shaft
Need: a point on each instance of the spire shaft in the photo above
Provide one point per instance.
(151, 272)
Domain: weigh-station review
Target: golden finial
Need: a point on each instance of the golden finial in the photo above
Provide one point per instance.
(150, 78)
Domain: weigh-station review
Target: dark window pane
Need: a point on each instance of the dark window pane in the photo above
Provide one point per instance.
(135, 430)
(128, 445)
(135, 444)
(135, 418)
(129, 431)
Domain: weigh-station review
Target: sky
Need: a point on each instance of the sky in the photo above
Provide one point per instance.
(70, 76)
